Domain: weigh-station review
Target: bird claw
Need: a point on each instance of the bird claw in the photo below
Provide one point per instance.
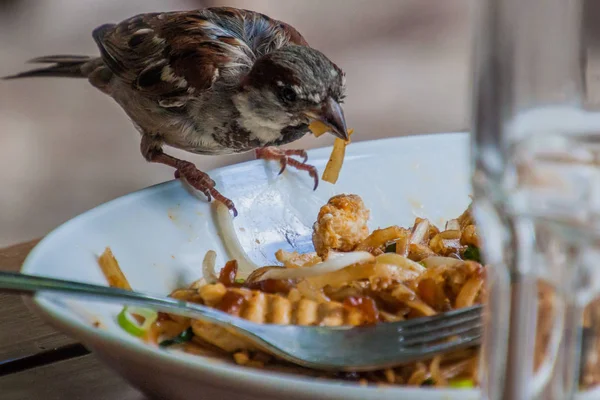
(285, 158)
(314, 174)
(297, 153)
(283, 162)
(203, 183)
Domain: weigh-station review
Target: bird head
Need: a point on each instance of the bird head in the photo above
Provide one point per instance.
(295, 85)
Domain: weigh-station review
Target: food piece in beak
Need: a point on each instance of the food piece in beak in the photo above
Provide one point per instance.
(329, 118)
(336, 160)
(318, 128)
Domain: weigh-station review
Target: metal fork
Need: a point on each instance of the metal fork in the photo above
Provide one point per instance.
(324, 348)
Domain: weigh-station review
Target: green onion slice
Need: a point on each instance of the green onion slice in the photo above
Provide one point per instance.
(472, 253)
(128, 321)
(462, 384)
(183, 337)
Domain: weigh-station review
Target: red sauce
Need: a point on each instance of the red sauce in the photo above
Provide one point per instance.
(228, 273)
(366, 306)
(272, 285)
(163, 316)
(231, 303)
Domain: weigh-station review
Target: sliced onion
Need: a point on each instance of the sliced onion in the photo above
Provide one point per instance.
(437, 261)
(333, 263)
(399, 261)
(420, 231)
(453, 225)
(360, 272)
(232, 243)
(295, 260)
(255, 276)
(208, 267)
(388, 271)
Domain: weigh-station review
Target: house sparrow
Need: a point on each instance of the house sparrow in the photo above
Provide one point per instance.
(212, 81)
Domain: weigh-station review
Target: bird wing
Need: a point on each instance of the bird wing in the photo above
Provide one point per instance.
(177, 55)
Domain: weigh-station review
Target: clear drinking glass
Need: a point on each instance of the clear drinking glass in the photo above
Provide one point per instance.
(536, 187)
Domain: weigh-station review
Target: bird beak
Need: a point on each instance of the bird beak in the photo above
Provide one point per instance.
(332, 115)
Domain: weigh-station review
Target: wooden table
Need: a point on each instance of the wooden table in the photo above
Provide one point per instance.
(37, 362)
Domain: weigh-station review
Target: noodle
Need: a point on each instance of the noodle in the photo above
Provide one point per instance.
(436, 373)
(111, 270)
(469, 292)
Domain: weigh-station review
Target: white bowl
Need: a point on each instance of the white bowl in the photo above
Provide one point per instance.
(161, 234)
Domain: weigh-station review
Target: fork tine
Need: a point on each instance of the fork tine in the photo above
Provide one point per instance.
(439, 318)
(440, 334)
(442, 323)
(438, 321)
(467, 340)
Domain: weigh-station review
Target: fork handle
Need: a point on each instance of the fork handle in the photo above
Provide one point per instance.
(24, 284)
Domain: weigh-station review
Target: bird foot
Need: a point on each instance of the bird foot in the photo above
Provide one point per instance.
(285, 158)
(201, 181)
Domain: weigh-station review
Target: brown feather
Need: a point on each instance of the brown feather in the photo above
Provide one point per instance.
(181, 54)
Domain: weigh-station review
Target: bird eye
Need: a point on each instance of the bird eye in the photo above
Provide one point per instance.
(288, 94)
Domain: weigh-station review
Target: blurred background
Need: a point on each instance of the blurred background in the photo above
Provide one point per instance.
(65, 147)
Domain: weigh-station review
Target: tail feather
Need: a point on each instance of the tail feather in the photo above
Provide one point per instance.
(64, 66)
(60, 59)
